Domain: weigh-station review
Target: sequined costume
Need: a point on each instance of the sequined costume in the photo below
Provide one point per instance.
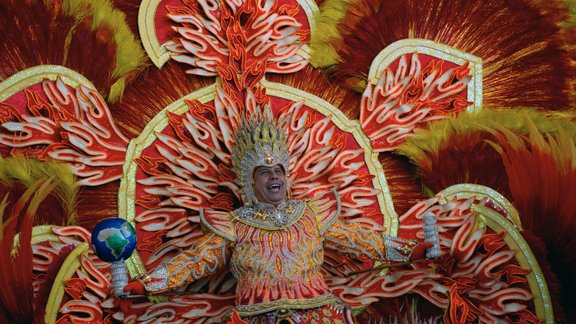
(276, 254)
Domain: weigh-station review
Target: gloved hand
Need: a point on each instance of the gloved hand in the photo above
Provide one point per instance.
(419, 251)
(135, 288)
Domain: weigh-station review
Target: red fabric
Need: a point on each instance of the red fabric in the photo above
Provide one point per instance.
(419, 251)
(135, 288)
(323, 314)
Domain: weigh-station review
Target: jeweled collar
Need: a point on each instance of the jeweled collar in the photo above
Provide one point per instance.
(266, 216)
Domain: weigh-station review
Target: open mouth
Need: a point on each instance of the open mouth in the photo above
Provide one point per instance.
(275, 187)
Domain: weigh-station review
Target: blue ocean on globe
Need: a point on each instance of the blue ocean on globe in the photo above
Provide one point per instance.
(113, 239)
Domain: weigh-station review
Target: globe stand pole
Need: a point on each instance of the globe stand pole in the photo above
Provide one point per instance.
(431, 235)
(119, 278)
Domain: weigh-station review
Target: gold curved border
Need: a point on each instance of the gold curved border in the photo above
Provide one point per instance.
(147, 28)
(467, 190)
(525, 257)
(43, 233)
(353, 127)
(311, 9)
(158, 53)
(428, 47)
(34, 75)
(68, 268)
(127, 191)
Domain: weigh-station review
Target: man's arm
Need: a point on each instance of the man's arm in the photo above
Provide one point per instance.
(210, 253)
(352, 239)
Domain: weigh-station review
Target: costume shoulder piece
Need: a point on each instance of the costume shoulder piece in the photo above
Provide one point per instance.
(268, 217)
(326, 209)
(219, 222)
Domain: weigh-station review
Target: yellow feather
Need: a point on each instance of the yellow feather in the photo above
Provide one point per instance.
(117, 90)
(571, 4)
(130, 56)
(28, 172)
(3, 205)
(322, 52)
(518, 121)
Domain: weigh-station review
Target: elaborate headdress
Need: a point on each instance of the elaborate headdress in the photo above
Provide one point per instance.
(259, 142)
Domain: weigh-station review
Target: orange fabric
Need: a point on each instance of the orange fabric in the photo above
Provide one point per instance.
(210, 253)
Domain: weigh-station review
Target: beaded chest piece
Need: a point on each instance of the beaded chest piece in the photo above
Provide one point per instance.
(266, 216)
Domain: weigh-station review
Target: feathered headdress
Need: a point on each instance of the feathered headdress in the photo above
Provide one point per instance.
(259, 142)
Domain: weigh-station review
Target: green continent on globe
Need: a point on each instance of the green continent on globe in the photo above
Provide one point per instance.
(114, 239)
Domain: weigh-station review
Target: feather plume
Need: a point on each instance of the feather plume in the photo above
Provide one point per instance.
(456, 150)
(46, 282)
(542, 171)
(538, 247)
(130, 56)
(16, 292)
(97, 203)
(18, 174)
(75, 34)
(130, 9)
(524, 61)
(322, 52)
(29, 36)
(403, 182)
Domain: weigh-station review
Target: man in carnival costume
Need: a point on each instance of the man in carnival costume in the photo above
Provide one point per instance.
(274, 245)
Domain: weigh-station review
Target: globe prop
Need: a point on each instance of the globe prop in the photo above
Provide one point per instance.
(114, 240)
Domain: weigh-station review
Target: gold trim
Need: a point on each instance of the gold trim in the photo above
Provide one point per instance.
(445, 52)
(68, 268)
(34, 75)
(468, 190)
(352, 127)
(526, 259)
(43, 233)
(286, 304)
(147, 28)
(305, 52)
(126, 193)
(311, 9)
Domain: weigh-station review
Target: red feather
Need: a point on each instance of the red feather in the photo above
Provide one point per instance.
(524, 61)
(465, 158)
(16, 292)
(542, 176)
(40, 33)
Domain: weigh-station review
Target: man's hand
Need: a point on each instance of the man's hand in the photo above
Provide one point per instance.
(135, 288)
(419, 251)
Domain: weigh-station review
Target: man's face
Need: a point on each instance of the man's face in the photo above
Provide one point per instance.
(270, 184)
